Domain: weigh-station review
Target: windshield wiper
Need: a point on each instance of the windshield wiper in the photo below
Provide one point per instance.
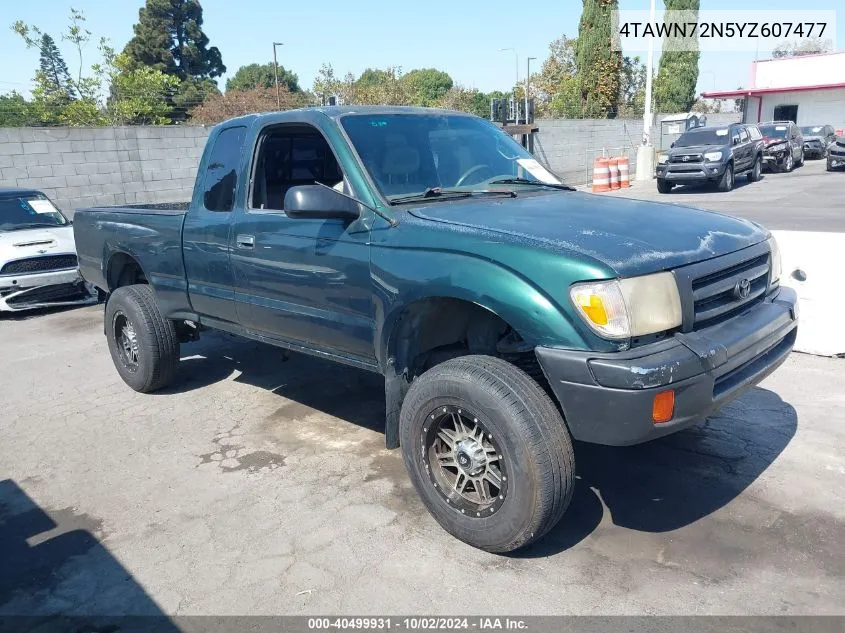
(451, 194)
(527, 181)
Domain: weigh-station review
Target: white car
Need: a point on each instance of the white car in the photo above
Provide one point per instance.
(38, 265)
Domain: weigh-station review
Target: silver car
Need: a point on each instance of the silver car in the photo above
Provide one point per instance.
(38, 265)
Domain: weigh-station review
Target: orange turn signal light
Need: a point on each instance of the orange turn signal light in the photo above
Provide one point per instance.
(664, 407)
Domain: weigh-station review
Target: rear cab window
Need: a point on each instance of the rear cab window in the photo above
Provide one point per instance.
(221, 174)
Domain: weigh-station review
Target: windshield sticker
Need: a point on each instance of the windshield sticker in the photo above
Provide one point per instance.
(817, 129)
(537, 170)
(42, 206)
(780, 128)
(721, 132)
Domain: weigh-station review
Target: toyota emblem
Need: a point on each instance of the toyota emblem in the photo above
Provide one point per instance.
(686, 159)
(742, 289)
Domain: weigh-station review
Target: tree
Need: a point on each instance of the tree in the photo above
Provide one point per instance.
(427, 85)
(597, 65)
(219, 107)
(169, 37)
(53, 67)
(373, 77)
(677, 75)
(632, 87)
(15, 111)
(808, 46)
(262, 76)
(112, 93)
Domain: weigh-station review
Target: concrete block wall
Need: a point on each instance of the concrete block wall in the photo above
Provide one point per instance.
(79, 167)
(569, 146)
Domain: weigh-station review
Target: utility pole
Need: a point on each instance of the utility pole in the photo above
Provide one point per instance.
(276, 75)
(645, 154)
(527, 80)
(516, 83)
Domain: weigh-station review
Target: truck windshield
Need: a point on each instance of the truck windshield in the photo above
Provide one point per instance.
(774, 131)
(704, 136)
(408, 154)
(29, 212)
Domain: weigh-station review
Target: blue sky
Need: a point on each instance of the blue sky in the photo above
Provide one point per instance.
(459, 36)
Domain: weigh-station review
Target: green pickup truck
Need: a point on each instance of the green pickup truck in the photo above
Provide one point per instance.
(509, 314)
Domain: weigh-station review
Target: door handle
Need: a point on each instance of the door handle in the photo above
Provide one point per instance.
(245, 241)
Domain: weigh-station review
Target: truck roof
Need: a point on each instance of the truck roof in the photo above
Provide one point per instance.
(338, 111)
(7, 192)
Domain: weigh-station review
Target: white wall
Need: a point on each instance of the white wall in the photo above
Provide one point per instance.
(815, 107)
(789, 72)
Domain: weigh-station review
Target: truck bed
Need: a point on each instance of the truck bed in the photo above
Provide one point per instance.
(151, 235)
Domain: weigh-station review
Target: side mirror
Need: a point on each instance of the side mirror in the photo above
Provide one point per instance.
(672, 145)
(319, 202)
(735, 140)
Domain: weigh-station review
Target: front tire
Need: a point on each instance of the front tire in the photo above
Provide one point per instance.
(487, 451)
(663, 185)
(800, 161)
(726, 182)
(789, 164)
(142, 343)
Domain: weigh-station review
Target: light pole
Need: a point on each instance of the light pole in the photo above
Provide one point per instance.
(527, 79)
(516, 65)
(645, 153)
(276, 75)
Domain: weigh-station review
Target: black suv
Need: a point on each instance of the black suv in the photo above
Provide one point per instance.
(783, 145)
(712, 154)
(817, 138)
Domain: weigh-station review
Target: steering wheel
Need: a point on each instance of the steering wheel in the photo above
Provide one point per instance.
(469, 172)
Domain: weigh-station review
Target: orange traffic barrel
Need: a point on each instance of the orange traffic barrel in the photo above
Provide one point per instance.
(613, 167)
(601, 175)
(624, 172)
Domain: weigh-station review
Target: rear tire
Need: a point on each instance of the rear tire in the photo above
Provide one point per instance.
(664, 186)
(524, 438)
(756, 172)
(142, 343)
(726, 182)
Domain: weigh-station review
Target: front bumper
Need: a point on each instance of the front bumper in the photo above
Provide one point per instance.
(835, 160)
(42, 290)
(690, 172)
(608, 398)
(775, 159)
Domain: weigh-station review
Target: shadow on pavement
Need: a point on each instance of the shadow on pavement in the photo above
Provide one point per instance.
(655, 487)
(56, 575)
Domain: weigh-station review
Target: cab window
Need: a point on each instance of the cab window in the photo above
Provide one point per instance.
(221, 174)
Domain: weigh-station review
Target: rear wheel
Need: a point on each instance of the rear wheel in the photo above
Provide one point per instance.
(726, 182)
(487, 451)
(757, 171)
(663, 185)
(142, 343)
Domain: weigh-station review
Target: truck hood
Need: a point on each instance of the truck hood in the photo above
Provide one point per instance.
(695, 149)
(632, 237)
(35, 242)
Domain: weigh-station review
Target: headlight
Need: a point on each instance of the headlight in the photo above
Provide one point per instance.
(622, 308)
(662, 159)
(776, 263)
(713, 156)
(777, 148)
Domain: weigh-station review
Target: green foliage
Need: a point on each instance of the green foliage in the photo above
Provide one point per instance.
(632, 88)
(597, 65)
(677, 75)
(807, 46)
(262, 76)
(135, 95)
(374, 77)
(190, 93)
(427, 85)
(15, 111)
(169, 37)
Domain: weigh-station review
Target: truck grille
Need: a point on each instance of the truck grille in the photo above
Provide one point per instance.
(39, 265)
(690, 158)
(719, 296)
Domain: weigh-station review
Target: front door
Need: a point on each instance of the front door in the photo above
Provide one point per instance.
(304, 281)
(205, 234)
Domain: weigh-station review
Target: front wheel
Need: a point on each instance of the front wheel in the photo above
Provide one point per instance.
(663, 185)
(789, 164)
(757, 171)
(142, 343)
(487, 451)
(800, 161)
(726, 182)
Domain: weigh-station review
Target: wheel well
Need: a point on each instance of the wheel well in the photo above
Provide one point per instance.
(434, 330)
(124, 270)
